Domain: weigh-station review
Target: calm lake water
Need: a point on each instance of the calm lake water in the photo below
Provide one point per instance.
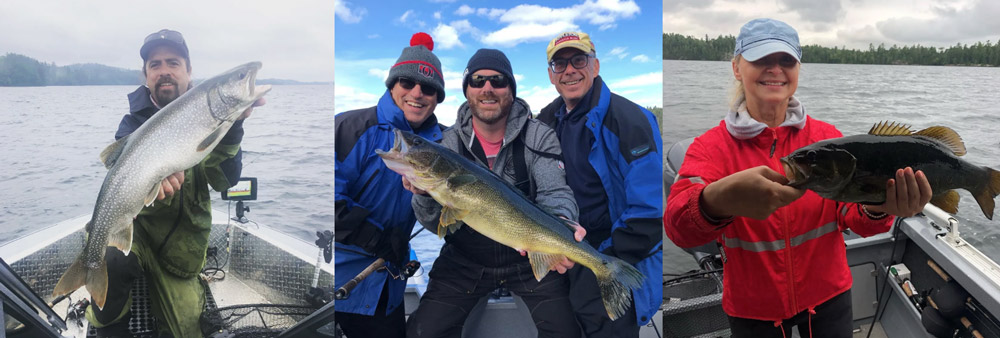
(52, 136)
(853, 98)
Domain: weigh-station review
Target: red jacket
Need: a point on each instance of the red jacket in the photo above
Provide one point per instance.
(775, 268)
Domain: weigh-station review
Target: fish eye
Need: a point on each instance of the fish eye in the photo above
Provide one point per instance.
(243, 75)
(811, 155)
(417, 141)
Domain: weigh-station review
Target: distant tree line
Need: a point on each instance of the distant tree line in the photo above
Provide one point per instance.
(680, 47)
(20, 70)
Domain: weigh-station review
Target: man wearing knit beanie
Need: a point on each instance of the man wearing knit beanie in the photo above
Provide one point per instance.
(611, 147)
(494, 128)
(373, 213)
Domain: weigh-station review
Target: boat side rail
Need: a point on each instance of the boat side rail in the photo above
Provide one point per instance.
(974, 272)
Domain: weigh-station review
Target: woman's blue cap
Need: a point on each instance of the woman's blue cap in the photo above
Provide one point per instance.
(762, 37)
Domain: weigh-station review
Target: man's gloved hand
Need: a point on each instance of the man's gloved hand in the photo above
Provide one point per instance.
(393, 246)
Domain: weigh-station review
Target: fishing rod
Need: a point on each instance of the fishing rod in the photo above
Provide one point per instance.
(409, 269)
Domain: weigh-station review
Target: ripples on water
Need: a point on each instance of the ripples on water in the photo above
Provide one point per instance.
(51, 137)
(853, 98)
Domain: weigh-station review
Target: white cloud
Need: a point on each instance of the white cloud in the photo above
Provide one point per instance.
(530, 23)
(515, 34)
(382, 74)
(648, 79)
(437, 15)
(446, 37)
(641, 58)
(618, 52)
(538, 97)
(405, 16)
(373, 36)
(447, 111)
(350, 98)
(453, 80)
(346, 14)
(442, 1)
(491, 13)
(518, 77)
(464, 10)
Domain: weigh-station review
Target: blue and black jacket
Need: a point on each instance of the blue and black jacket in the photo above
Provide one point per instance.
(370, 199)
(625, 154)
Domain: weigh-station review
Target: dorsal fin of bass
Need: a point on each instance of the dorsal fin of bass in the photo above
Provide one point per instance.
(945, 135)
(887, 128)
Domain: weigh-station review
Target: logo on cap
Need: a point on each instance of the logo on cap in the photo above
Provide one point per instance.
(425, 71)
(567, 37)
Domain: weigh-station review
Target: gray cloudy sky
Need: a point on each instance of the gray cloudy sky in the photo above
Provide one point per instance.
(294, 39)
(851, 23)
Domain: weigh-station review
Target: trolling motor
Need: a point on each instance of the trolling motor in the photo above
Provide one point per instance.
(244, 190)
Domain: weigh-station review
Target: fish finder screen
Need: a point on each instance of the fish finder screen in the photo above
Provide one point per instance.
(244, 190)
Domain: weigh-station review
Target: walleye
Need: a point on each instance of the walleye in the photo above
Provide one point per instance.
(471, 194)
(856, 168)
(176, 138)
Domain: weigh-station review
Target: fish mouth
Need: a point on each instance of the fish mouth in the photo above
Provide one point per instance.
(794, 172)
(254, 91)
(398, 150)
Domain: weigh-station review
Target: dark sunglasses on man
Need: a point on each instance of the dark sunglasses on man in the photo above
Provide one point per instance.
(579, 61)
(497, 81)
(408, 84)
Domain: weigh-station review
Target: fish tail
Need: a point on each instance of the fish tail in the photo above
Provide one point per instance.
(617, 285)
(74, 277)
(97, 284)
(988, 192)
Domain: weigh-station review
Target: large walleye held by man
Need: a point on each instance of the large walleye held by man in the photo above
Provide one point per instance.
(176, 138)
(856, 168)
(471, 194)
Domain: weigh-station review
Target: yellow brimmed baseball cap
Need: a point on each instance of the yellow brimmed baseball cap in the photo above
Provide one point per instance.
(578, 40)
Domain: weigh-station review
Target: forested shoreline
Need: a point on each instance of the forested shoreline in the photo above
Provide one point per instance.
(680, 47)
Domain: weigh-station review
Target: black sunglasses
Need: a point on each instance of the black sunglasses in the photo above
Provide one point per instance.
(579, 61)
(497, 81)
(409, 84)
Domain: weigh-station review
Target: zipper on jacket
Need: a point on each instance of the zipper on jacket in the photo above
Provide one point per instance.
(774, 144)
(787, 235)
(791, 266)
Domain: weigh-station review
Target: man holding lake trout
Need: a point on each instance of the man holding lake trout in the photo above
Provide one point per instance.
(153, 214)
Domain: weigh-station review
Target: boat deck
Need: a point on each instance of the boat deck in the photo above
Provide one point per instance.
(265, 279)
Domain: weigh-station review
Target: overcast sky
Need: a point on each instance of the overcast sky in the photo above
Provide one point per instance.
(294, 39)
(851, 23)
(371, 36)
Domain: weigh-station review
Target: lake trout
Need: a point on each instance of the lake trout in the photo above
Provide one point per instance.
(856, 168)
(471, 194)
(174, 139)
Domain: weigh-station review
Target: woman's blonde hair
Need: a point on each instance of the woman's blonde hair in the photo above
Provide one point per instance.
(737, 94)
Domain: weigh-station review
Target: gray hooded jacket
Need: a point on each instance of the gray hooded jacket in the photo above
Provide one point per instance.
(547, 176)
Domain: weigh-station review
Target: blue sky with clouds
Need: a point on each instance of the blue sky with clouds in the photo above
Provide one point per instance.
(369, 36)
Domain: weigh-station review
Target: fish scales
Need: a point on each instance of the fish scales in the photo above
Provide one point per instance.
(493, 207)
(174, 139)
(856, 168)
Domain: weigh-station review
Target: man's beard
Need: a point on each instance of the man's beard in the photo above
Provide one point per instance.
(490, 117)
(165, 98)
